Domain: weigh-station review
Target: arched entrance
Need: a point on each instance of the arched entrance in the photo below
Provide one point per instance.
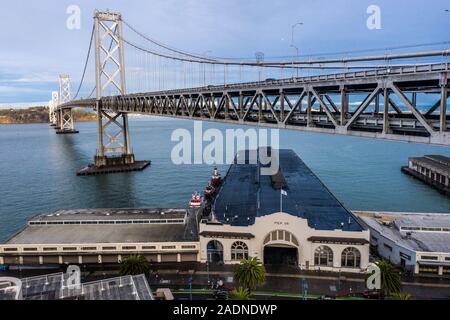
(281, 248)
(215, 252)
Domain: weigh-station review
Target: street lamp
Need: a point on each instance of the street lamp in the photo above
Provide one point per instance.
(292, 41)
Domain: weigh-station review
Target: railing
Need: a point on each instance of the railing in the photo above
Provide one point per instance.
(402, 70)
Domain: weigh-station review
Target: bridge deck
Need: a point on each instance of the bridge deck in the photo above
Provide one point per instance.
(307, 103)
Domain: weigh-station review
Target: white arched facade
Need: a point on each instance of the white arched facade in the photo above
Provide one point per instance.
(281, 229)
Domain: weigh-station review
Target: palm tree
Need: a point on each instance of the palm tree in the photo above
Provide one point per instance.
(402, 296)
(239, 294)
(250, 273)
(135, 265)
(390, 278)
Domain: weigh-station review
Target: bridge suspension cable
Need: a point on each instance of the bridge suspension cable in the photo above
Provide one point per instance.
(85, 64)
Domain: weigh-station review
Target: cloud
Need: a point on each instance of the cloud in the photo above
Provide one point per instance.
(16, 90)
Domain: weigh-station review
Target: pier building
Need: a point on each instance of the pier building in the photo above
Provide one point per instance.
(417, 242)
(290, 218)
(433, 170)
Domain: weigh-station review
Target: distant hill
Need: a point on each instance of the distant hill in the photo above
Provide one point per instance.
(38, 115)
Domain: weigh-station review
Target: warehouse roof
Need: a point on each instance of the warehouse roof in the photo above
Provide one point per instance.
(123, 232)
(247, 194)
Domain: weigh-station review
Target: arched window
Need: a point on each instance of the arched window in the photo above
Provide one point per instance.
(323, 256)
(239, 251)
(281, 235)
(215, 251)
(351, 257)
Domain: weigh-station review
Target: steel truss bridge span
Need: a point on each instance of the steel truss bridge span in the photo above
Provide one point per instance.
(397, 96)
(319, 103)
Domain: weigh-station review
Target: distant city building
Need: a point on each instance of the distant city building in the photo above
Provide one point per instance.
(419, 243)
(431, 169)
(57, 287)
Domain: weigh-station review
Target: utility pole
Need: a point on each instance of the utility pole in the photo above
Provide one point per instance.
(190, 287)
(292, 42)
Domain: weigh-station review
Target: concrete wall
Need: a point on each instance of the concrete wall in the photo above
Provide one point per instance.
(97, 253)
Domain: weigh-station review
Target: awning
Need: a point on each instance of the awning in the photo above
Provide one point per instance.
(356, 241)
(228, 235)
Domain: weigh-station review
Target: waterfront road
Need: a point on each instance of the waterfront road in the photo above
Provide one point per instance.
(281, 281)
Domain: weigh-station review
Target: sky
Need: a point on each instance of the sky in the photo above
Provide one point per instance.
(37, 46)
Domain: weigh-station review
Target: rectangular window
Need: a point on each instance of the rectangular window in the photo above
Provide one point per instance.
(69, 249)
(280, 235)
(50, 249)
(447, 258)
(128, 248)
(89, 248)
(10, 249)
(29, 249)
(188, 247)
(169, 247)
(405, 256)
(149, 248)
(429, 257)
(428, 269)
(274, 236)
(431, 229)
(388, 247)
(109, 248)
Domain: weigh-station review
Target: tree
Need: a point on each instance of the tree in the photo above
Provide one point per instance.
(401, 296)
(239, 294)
(390, 278)
(135, 265)
(250, 273)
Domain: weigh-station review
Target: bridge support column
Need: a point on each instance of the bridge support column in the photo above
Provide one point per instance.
(386, 98)
(66, 124)
(443, 109)
(52, 109)
(65, 120)
(344, 106)
(309, 121)
(113, 142)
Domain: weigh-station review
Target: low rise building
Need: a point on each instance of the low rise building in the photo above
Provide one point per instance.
(433, 170)
(104, 237)
(420, 243)
(289, 218)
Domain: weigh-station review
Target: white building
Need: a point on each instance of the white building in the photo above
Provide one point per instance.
(419, 243)
(312, 230)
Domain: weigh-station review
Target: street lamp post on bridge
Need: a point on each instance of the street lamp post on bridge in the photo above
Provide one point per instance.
(292, 42)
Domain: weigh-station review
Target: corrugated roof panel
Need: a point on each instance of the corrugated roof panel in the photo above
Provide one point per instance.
(241, 198)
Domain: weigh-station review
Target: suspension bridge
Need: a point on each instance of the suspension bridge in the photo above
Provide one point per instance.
(396, 96)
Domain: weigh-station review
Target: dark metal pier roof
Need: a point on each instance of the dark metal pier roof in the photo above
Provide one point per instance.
(246, 194)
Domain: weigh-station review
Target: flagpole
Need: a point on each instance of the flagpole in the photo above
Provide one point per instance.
(281, 200)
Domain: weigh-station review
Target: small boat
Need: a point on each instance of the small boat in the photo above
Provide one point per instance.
(216, 178)
(196, 201)
(210, 191)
